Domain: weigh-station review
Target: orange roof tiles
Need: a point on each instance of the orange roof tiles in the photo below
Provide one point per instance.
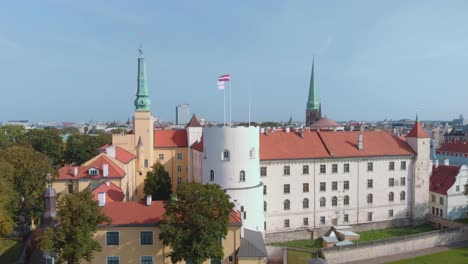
(67, 172)
(134, 213)
(459, 147)
(123, 156)
(198, 145)
(113, 192)
(418, 131)
(282, 145)
(443, 177)
(170, 138)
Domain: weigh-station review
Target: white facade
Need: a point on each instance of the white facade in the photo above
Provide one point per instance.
(231, 159)
(354, 185)
(454, 205)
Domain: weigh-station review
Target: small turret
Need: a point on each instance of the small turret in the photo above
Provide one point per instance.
(50, 205)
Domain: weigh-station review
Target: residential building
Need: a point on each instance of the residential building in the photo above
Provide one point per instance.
(447, 183)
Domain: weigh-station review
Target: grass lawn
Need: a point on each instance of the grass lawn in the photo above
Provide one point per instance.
(373, 235)
(10, 250)
(452, 256)
(299, 257)
(304, 243)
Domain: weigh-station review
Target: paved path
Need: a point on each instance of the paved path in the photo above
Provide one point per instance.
(416, 253)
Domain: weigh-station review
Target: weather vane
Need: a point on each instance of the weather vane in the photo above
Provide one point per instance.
(140, 50)
(49, 179)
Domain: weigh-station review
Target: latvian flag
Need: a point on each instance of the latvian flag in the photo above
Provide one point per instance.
(224, 78)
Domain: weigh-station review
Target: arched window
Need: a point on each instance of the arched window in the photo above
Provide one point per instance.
(211, 175)
(323, 201)
(370, 198)
(305, 203)
(287, 204)
(252, 153)
(264, 206)
(346, 200)
(391, 197)
(242, 176)
(334, 201)
(225, 155)
(402, 196)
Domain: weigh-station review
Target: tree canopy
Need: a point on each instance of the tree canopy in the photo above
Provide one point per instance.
(81, 148)
(7, 199)
(158, 183)
(196, 219)
(28, 179)
(72, 239)
(46, 141)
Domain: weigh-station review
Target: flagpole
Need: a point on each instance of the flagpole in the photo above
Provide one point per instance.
(230, 104)
(249, 103)
(224, 106)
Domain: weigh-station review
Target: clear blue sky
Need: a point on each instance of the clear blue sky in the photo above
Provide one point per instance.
(77, 60)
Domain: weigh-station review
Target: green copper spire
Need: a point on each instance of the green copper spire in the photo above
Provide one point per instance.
(312, 102)
(142, 101)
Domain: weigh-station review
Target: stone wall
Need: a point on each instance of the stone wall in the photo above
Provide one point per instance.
(439, 222)
(394, 246)
(288, 236)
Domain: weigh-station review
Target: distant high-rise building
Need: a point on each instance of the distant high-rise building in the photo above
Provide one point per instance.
(182, 114)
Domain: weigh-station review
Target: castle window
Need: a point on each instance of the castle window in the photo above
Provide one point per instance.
(113, 260)
(334, 186)
(286, 188)
(370, 183)
(390, 213)
(370, 166)
(402, 196)
(305, 203)
(305, 169)
(264, 206)
(263, 171)
(252, 153)
(161, 156)
(287, 204)
(322, 219)
(179, 168)
(179, 180)
(391, 197)
(305, 221)
(402, 181)
(346, 167)
(242, 176)
(391, 182)
(345, 218)
(323, 168)
(391, 166)
(226, 155)
(146, 163)
(286, 170)
(323, 187)
(112, 238)
(346, 185)
(264, 189)
(146, 238)
(441, 200)
(211, 175)
(323, 201)
(305, 187)
(146, 259)
(370, 198)
(93, 172)
(334, 201)
(403, 165)
(179, 156)
(286, 223)
(334, 168)
(346, 200)
(369, 216)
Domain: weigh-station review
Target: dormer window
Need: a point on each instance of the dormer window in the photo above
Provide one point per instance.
(225, 155)
(93, 172)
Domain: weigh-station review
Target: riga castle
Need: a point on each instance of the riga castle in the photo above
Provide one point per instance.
(285, 182)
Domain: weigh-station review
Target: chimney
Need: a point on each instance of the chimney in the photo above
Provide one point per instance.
(446, 162)
(302, 133)
(75, 171)
(262, 130)
(286, 129)
(105, 170)
(110, 150)
(148, 200)
(360, 142)
(436, 163)
(102, 199)
(107, 183)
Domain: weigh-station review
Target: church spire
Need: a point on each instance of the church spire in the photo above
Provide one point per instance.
(312, 102)
(142, 101)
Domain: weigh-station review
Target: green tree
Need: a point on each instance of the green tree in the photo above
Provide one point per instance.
(46, 141)
(196, 219)
(29, 180)
(81, 148)
(7, 199)
(70, 130)
(72, 239)
(119, 130)
(13, 133)
(158, 183)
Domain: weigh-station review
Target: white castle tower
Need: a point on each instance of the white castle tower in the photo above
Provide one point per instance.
(231, 159)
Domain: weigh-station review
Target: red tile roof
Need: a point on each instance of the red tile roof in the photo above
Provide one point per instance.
(443, 177)
(66, 173)
(418, 131)
(134, 213)
(103, 148)
(113, 192)
(198, 145)
(460, 147)
(123, 156)
(193, 122)
(328, 144)
(137, 213)
(170, 138)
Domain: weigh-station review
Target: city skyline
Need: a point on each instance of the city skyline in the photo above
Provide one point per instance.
(79, 61)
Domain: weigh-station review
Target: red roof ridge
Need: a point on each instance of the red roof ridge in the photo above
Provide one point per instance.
(193, 122)
(418, 131)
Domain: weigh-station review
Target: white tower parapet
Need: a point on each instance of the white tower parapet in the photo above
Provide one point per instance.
(231, 159)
